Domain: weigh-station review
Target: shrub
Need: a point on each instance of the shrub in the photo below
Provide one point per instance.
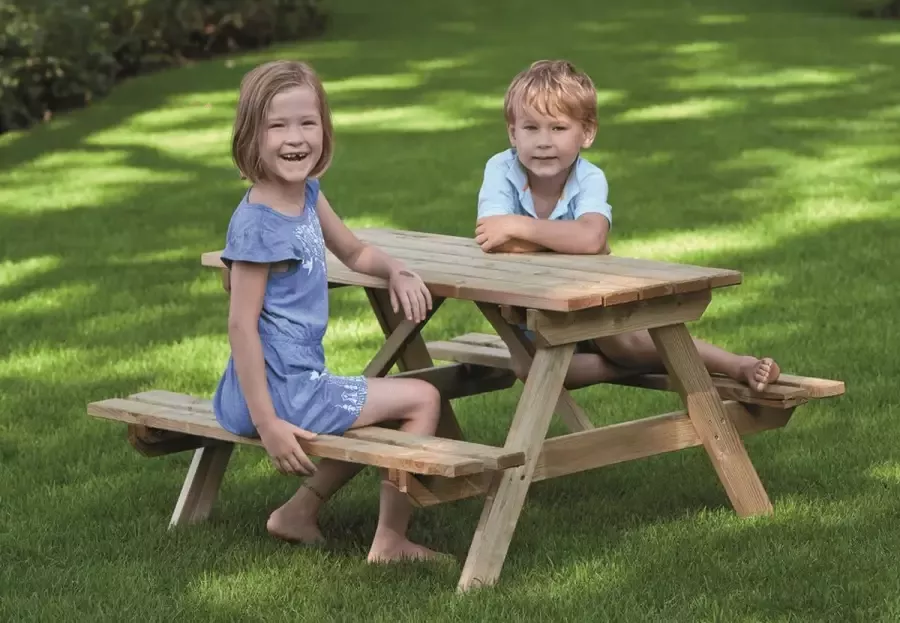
(59, 54)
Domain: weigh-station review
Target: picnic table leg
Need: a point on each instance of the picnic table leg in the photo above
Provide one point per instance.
(508, 488)
(414, 356)
(707, 413)
(201, 485)
(522, 349)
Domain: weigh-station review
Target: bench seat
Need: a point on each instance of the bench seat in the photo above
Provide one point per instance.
(176, 422)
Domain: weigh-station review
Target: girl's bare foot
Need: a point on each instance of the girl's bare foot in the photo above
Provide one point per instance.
(295, 521)
(758, 373)
(385, 550)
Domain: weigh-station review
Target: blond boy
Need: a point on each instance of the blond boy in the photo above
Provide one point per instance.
(541, 195)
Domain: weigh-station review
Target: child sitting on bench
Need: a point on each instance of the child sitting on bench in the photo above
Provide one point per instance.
(541, 195)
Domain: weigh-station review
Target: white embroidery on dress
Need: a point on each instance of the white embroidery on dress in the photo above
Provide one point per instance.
(312, 245)
(354, 389)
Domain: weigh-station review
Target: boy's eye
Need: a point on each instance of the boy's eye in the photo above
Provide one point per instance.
(310, 123)
(276, 125)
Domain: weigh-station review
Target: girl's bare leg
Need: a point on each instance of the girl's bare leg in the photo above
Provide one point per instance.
(417, 405)
(297, 519)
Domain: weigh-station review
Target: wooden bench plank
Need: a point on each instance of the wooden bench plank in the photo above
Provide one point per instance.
(790, 390)
(195, 422)
(492, 457)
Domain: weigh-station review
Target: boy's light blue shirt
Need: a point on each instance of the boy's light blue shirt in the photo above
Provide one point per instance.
(504, 190)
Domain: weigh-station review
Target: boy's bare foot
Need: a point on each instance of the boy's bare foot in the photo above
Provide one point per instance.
(394, 550)
(758, 373)
(295, 525)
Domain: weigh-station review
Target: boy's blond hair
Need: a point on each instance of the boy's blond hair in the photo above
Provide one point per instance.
(258, 87)
(553, 88)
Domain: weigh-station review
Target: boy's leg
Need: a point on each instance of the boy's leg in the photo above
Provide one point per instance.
(636, 351)
(588, 367)
(417, 405)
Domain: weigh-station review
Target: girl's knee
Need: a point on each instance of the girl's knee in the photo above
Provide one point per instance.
(427, 407)
(429, 396)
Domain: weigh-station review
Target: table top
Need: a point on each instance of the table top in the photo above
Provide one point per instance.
(456, 267)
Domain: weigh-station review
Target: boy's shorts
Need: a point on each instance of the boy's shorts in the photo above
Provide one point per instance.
(583, 347)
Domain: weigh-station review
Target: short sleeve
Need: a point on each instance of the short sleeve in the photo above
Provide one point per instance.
(495, 198)
(592, 196)
(258, 237)
(312, 192)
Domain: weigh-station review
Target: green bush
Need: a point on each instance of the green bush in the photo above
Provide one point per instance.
(876, 8)
(59, 54)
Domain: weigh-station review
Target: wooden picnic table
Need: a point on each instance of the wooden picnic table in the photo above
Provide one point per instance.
(563, 299)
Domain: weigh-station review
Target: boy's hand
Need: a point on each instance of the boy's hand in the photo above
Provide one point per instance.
(279, 438)
(494, 231)
(408, 291)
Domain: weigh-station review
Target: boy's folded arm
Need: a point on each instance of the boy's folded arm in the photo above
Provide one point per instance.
(586, 235)
(517, 245)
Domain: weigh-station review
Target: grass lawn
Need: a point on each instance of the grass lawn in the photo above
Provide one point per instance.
(734, 134)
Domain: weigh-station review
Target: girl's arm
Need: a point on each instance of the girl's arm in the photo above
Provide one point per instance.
(279, 438)
(248, 287)
(407, 290)
(350, 250)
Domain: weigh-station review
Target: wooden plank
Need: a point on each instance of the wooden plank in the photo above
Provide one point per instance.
(443, 261)
(393, 238)
(619, 288)
(775, 395)
(393, 347)
(458, 286)
(152, 442)
(414, 356)
(555, 328)
(492, 456)
(513, 279)
(607, 445)
(508, 489)
(637, 282)
(629, 441)
(201, 485)
(814, 388)
(341, 448)
(573, 416)
(469, 353)
(720, 438)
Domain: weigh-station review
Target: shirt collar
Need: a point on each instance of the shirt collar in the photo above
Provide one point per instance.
(519, 179)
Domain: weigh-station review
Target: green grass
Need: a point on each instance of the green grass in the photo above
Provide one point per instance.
(734, 134)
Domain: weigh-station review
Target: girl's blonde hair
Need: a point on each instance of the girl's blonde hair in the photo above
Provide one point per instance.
(551, 88)
(258, 87)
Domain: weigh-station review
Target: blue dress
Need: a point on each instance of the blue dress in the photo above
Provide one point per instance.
(292, 323)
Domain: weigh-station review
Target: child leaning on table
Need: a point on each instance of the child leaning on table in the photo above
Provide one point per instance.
(275, 384)
(541, 195)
